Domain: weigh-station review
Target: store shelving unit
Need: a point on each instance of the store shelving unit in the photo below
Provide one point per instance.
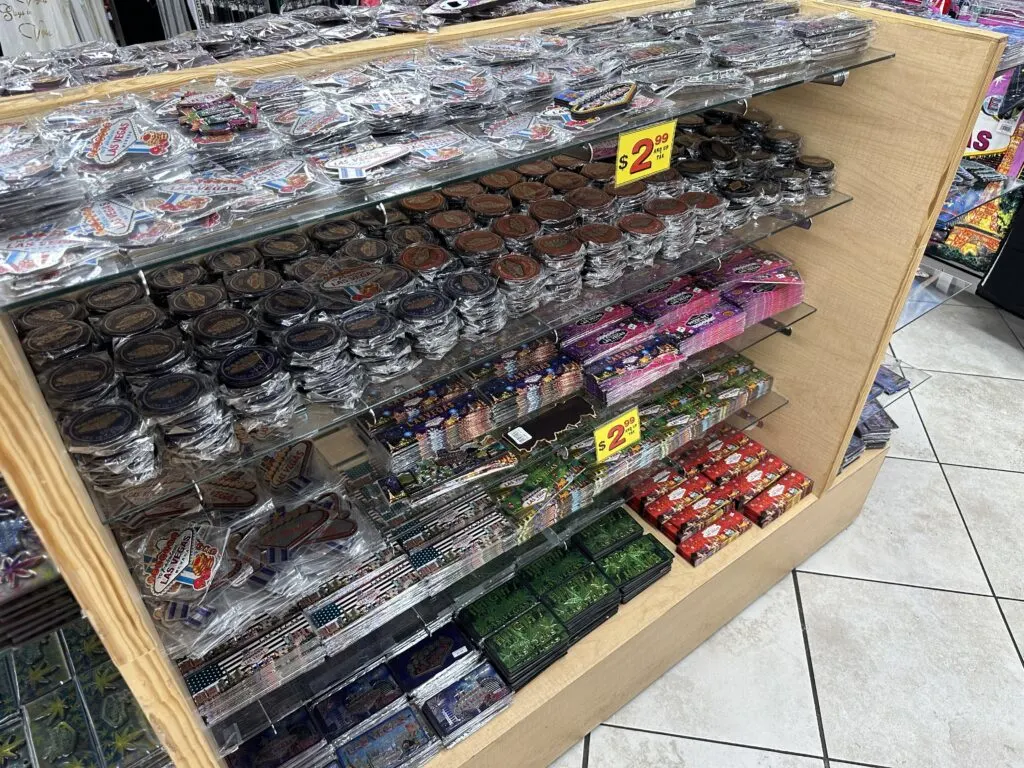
(858, 261)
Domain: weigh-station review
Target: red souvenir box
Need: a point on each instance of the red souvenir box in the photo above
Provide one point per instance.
(700, 513)
(780, 498)
(744, 458)
(760, 478)
(704, 544)
(655, 483)
(677, 500)
(699, 456)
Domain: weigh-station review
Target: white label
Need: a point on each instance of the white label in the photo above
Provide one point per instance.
(520, 436)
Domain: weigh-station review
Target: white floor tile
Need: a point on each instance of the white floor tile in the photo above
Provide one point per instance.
(571, 758)
(961, 340)
(619, 748)
(974, 420)
(1016, 325)
(989, 500)
(970, 299)
(908, 532)
(748, 684)
(913, 678)
(910, 440)
(1014, 612)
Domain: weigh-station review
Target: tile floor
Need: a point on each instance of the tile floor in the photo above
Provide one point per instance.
(898, 645)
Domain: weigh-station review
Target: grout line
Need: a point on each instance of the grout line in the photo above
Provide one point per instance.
(970, 537)
(961, 373)
(1013, 333)
(586, 751)
(810, 668)
(705, 740)
(892, 583)
(954, 464)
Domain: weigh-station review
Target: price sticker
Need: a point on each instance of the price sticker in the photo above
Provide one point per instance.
(644, 152)
(617, 434)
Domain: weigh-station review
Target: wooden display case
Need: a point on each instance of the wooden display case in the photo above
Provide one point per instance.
(895, 131)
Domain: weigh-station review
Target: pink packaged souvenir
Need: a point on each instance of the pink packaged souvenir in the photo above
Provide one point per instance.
(743, 266)
(760, 301)
(705, 329)
(612, 339)
(682, 299)
(593, 323)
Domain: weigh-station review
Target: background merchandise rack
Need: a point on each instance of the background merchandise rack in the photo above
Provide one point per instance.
(857, 261)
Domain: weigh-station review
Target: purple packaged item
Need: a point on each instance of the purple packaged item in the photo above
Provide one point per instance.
(743, 266)
(704, 329)
(760, 301)
(593, 323)
(669, 309)
(621, 335)
(618, 376)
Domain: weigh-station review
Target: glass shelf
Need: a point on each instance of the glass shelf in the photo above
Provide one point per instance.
(318, 419)
(932, 288)
(695, 367)
(968, 193)
(371, 195)
(915, 376)
(405, 629)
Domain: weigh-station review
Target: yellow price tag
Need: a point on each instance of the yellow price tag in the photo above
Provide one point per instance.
(644, 152)
(617, 434)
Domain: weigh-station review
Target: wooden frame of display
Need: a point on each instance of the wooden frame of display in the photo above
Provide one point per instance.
(895, 130)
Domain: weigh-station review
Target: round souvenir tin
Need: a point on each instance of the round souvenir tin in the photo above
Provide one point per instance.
(589, 199)
(233, 259)
(365, 249)
(369, 325)
(81, 378)
(690, 123)
(130, 320)
(815, 164)
(458, 193)
(422, 204)
(111, 296)
(450, 223)
(567, 162)
(150, 352)
(103, 425)
(170, 278)
(488, 207)
(478, 242)
(308, 338)
(409, 234)
(195, 299)
(499, 181)
(287, 304)
(515, 267)
(468, 285)
(307, 268)
(221, 326)
(553, 213)
(423, 305)
(526, 192)
(558, 245)
(666, 206)
(331, 235)
(599, 172)
(536, 170)
(424, 258)
(600, 234)
(170, 394)
(694, 168)
(247, 368)
(517, 226)
(286, 247)
(252, 283)
(641, 224)
(565, 181)
(701, 200)
(47, 312)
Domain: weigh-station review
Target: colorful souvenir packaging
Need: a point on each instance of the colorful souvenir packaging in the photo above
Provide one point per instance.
(614, 530)
(618, 376)
(650, 485)
(369, 698)
(778, 499)
(736, 463)
(760, 478)
(59, 728)
(296, 473)
(702, 330)
(531, 388)
(703, 544)
(292, 741)
(583, 601)
(672, 301)
(593, 323)
(468, 704)
(698, 514)
(609, 340)
(636, 565)
(433, 663)
(674, 500)
(401, 740)
(527, 646)
(495, 609)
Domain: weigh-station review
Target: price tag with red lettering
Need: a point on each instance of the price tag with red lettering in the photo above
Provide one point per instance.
(617, 434)
(644, 152)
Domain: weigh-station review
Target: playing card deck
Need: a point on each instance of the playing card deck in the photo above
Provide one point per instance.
(614, 530)
(701, 545)
(467, 704)
(778, 499)
(369, 699)
(527, 645)
(489, 613)
(434, 662)
(402, 740)
(635, 566)
(583, 601)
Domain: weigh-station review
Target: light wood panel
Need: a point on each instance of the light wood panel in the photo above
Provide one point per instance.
(39, 471)
(895, 131)
(12, 107)
(653, 632)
